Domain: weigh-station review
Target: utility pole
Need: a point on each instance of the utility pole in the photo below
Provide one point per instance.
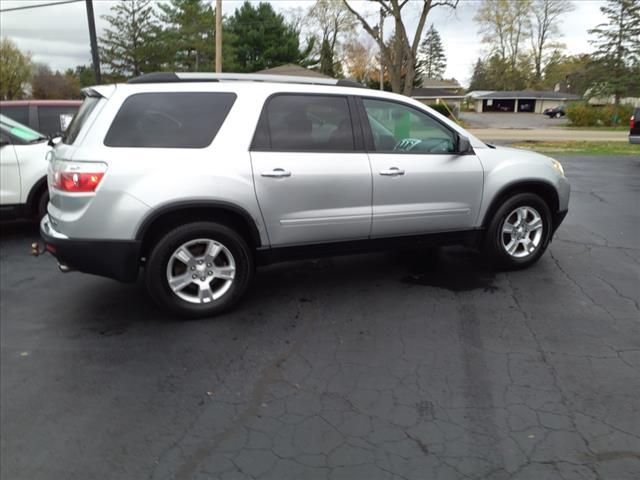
(381, 46)
(95, 59)
(218, 36)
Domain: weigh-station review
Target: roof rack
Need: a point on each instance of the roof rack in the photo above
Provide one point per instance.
(171, 77)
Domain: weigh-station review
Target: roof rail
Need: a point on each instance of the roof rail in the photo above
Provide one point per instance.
(171, 77)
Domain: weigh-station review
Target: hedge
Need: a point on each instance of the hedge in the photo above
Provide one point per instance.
(440, 108)
(585, 115)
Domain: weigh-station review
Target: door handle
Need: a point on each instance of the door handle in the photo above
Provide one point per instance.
(277, 173)
(392, 172)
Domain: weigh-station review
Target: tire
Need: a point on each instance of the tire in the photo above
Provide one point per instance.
(211, 267)
(530, 241)
(41, 206)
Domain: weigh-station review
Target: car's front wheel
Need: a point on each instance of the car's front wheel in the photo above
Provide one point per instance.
(199, 269)
(519, 231)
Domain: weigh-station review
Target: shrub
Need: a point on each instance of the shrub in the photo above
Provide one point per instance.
(440, 108)
(584, 115)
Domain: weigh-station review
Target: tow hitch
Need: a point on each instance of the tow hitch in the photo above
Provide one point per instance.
(35, 249)
(36, 252)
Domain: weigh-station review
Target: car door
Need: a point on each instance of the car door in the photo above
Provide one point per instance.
(9, 172)
(312, 177)
(420, 184)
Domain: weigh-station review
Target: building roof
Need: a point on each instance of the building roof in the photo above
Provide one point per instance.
(293, 70)
(438, 83)
(434, 93)
(523, 94)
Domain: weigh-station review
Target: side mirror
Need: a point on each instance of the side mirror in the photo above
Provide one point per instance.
(464, 145)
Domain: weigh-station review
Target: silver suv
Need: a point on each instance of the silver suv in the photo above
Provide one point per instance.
(198, 178)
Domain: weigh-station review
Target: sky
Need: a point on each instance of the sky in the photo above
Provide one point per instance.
(58, 35)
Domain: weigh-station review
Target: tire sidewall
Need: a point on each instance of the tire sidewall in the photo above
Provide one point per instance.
(494, 233)
(156, 278)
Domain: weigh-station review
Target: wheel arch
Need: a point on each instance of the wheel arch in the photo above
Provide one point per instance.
(170, 216)
(543, 189)
(35, 193)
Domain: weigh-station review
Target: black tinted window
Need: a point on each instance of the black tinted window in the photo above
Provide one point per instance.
(19, 114)
(169, 120)
(307, 123)
(55, 120)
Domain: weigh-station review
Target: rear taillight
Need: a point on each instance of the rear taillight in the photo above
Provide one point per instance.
(632, 122)
(78, 177)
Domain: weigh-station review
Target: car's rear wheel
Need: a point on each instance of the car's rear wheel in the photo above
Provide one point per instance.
(519, 231)
(200, 269)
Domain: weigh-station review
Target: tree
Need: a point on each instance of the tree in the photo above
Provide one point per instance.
(617, 45)
(330, 21)
(85, 74)
(46, 85)
(360, 62)
(188, 36)
(544, 28)
(399, 55)
(130, 46)
(15, 70)
(479, 77)
(260, 38)
(432, 60)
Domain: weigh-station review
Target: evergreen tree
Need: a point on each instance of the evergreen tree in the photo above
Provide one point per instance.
(129, 46)
(617, 45)
(479, 77)
(188, 36)
(432, 61)
(260, 38)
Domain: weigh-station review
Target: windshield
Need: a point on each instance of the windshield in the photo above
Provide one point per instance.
(79, 119)
(20, 131)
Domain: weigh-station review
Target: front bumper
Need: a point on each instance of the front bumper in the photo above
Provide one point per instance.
(117, 259)
(557, 219)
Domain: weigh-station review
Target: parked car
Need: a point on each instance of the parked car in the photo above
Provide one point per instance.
(23, 170)
(634, 127)
(51, 117)
(555, 112)
(199, 177)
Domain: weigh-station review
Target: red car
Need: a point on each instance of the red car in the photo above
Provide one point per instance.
(51, 117)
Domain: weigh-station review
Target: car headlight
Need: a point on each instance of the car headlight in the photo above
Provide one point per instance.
(558, 166)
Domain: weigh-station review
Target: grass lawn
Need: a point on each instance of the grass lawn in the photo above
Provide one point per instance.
(581, 148)
(619, 128)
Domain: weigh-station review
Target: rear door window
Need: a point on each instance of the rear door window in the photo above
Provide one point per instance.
(54, 120)
(305, 123)
(169, 120)
(19, 114)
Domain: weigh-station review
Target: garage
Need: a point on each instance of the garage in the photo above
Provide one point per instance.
(521, 101)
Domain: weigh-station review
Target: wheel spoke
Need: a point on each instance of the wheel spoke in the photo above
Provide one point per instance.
(528, 245)
(225, 273)
(535, 224)
(521, 213)
(507, 227)
(185, 256)
(205, 294)
(213, 249)
(178, 283)
(512, 246)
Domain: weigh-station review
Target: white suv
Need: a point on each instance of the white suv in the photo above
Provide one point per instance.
(198, 178)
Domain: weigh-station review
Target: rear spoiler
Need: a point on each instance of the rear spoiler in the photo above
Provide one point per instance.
(104, 91)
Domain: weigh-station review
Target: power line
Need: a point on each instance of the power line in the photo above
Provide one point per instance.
(38, 6)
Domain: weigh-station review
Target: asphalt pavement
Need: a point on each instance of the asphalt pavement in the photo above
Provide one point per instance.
(399, 365)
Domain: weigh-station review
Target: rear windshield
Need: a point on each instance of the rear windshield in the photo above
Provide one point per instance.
(169, 120)
(79, 119)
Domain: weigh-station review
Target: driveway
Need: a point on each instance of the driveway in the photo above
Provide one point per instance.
(386, 366)
(510, 120)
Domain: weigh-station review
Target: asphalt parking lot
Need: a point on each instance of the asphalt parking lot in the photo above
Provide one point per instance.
(402, 365)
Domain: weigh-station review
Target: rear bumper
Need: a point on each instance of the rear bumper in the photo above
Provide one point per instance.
(117, 259)
(634, 139)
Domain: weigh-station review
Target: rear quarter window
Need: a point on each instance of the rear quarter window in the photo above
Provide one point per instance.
(55, 120)
(18, 113)
(169, 120)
